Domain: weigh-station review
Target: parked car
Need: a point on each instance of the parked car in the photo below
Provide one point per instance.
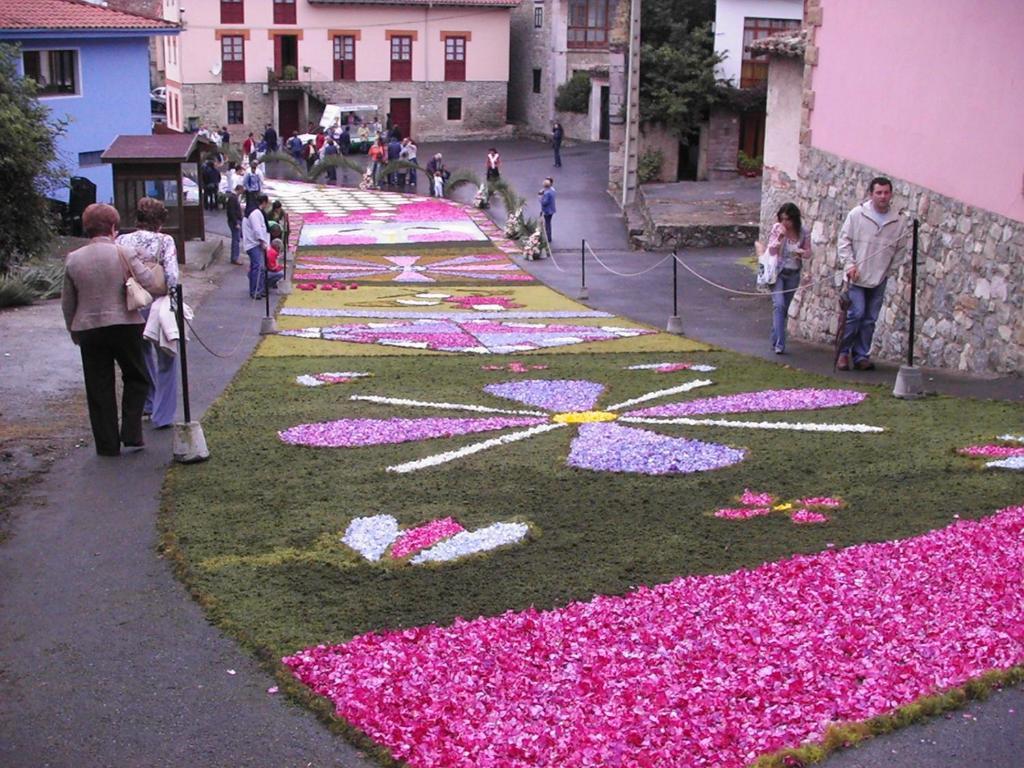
(158, 99)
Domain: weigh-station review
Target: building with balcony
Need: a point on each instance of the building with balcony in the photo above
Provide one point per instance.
(436, 68)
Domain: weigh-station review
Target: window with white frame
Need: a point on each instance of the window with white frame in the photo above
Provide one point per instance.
(55, 71)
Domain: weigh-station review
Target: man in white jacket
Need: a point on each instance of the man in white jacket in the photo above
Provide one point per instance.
(255, 241)
(868, 242)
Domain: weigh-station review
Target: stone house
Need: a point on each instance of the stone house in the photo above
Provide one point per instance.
(929, 111)
(738, 23)
(437, 68)
(552, 40)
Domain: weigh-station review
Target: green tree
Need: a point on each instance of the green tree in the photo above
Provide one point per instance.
(28, 165)
(677, 63)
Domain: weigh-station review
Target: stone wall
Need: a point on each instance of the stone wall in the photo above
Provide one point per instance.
(970, 309)
(654, 137)
(723, 144)
(777, 187)
(483, 105)
(531, 49)
(209, 103)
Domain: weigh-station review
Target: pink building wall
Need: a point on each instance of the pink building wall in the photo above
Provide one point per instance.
(930, 91)
(487, 49)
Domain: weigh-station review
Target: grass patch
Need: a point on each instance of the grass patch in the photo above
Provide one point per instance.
(262, 544)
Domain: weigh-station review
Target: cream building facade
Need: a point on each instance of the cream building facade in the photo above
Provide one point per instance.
(437, 68)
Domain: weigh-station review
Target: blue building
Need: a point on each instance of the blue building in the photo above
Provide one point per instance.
(91, 64)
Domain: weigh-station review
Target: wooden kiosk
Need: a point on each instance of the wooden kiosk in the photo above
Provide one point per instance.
(165, 167)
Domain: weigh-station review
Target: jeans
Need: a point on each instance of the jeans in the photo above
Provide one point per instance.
(865, 304)
(273, 278)
(547, 225)
(783, 290)
(257, 271)
(162, 400)
(236, 244)
(558, 154)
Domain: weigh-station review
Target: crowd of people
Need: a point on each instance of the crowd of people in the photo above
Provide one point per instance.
(142, 342)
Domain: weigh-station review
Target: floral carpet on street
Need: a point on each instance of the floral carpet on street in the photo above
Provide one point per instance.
(484, 525)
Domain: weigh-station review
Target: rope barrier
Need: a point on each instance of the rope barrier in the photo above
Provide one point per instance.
(630, 274)
(207, 348)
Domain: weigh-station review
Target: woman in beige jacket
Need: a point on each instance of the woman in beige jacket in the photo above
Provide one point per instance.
(95, 313)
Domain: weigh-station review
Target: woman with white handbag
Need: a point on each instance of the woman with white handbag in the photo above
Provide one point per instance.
(779, 266)
(157, 248)
(95, 305)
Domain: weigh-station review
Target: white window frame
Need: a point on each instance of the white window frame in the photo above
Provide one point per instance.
(78, 73)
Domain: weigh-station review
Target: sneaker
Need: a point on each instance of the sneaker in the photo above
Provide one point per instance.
(779, 350)
(843, 363)
(864, 365)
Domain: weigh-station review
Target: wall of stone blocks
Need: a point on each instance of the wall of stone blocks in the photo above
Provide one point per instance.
(970, 309)
(483, 105)
(723, 144)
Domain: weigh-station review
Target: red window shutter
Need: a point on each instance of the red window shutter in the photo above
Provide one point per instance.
(284, 11)
(344, 57)
(455, 58)
(232, 12)
(401, 58)
(232, 53)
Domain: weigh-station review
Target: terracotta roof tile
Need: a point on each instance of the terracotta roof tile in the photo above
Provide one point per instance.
(71, 14)
(784, 44)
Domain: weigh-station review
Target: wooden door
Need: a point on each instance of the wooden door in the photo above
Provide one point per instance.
(288, 118)
(401, 115)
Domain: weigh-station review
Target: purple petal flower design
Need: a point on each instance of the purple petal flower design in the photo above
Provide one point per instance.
(600, 444)
(607, 447)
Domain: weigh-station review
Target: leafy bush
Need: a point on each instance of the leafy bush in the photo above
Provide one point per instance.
(15, 292)
(289, 72)
(25, 285)
(574, 94)
(29, 165)
(748, 164)
(648, 167)
(46, 280)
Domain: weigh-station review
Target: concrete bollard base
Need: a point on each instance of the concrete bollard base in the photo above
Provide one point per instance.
(268, 325)
(675, 325)
(284, 288)
(190, 443)
(582, 293)
(909, 383)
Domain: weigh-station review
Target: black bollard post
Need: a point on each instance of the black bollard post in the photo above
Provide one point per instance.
(675, 324)
(268, 324)
(583, 271)
(189, 444)
(913, 293)
(183, 353)
(909, 381)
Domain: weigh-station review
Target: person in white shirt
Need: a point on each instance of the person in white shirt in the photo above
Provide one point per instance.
(256, 241)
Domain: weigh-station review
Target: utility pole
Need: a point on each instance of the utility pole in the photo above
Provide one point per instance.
(629, 165)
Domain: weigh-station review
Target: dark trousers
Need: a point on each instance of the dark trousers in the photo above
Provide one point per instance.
(101, 348)
(558, 154)
(547, 226)
(210, 197)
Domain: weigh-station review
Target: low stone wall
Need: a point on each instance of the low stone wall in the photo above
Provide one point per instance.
(483, 105)
(970, 309)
